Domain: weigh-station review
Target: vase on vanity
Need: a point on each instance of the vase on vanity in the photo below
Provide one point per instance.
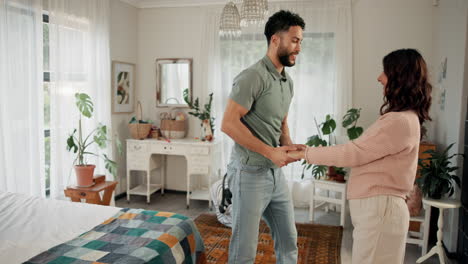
(204, 114)
(206, 132)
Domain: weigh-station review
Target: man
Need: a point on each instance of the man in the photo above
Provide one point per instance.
(256, 119)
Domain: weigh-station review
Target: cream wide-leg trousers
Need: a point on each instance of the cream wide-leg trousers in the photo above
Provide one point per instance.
(380, 229)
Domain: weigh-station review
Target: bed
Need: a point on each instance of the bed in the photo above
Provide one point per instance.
(37, 230)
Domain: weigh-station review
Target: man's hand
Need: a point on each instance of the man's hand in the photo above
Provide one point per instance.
(280, 157)
(299, 146)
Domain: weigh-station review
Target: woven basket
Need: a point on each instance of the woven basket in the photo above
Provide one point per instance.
(173, 128)
(137, 130)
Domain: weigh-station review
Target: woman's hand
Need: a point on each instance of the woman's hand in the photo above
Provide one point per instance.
(297, 154)
(299, 146)
(280, 156)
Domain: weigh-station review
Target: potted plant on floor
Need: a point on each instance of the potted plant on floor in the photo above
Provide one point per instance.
(327, 128)
(437, 174)
(79, 144)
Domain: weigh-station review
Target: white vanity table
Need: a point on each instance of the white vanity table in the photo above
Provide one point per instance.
(148, 154)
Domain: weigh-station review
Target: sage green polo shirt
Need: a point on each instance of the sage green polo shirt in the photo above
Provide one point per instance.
(267, 95)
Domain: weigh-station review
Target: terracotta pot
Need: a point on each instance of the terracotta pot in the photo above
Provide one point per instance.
(339, 178)
(84, 175)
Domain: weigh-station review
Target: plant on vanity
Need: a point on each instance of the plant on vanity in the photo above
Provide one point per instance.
(327, 128)
(79, 144)
(204, 114)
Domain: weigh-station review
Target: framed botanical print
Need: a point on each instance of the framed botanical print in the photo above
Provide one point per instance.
(123, 87)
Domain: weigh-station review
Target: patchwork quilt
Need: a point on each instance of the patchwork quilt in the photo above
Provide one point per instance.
(132, 236)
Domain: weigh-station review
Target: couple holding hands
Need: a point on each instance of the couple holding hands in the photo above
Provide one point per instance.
(383, 160)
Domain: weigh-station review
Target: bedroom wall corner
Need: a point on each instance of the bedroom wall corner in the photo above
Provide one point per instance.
(123, 47)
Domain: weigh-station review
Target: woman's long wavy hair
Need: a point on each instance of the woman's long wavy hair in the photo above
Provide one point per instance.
(407, 86)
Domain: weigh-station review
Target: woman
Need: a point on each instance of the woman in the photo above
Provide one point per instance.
(383, 161)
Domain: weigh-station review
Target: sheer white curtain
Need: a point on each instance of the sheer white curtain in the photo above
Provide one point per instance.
(79, 62)
(21, 100)
(211, 80)
(322, 75)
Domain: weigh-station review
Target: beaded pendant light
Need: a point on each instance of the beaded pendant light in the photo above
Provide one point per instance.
(229, 25)
(253, 12)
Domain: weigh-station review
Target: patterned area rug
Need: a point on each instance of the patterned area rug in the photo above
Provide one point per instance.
(317, 244)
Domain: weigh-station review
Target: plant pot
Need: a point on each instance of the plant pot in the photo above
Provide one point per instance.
(339, 178)
(84, 175)
(437, 193)
(206, 133)
(331, 175)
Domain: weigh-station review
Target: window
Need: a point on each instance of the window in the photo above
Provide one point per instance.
(65, 72)
(46, 66)
(314, 77)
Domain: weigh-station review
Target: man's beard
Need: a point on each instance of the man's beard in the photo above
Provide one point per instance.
(283, 57)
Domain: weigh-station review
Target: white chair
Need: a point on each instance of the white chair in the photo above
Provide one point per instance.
(421, 238)
(328, 186)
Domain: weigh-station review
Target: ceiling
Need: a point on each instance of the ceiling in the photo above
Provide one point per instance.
(179, 3)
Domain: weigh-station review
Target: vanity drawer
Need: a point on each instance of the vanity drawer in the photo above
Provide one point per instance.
(137, 155)
(137, 147)
(200, 150)
(199, 169)
(200, 160)
(167, 149)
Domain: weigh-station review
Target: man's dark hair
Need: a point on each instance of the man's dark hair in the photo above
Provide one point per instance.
(282, 21)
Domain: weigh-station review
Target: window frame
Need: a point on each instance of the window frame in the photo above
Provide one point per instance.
(46, 80)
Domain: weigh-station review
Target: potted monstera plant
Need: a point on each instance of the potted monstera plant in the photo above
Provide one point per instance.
(326, 137)
(79, 144)
(437, 174)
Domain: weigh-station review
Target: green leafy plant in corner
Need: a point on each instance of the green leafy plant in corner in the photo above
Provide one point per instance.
(78, 143)
(327, 129)
(203, 113)
(437, 174)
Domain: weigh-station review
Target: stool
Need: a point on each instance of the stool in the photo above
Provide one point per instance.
(91, 194)
(329, 186)
(438, 248)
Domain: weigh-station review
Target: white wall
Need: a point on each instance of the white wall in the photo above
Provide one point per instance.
(450, 32)
(123, 47)
(379, 27)
(169, 33)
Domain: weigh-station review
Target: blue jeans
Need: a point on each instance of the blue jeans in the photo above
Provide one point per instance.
(260, 191)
